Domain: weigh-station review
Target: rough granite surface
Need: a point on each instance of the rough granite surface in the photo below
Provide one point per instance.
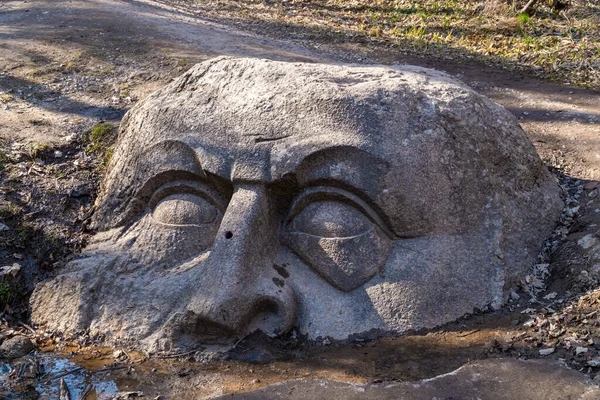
(332, 200)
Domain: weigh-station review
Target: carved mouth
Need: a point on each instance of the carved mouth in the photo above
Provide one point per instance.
(190, 329)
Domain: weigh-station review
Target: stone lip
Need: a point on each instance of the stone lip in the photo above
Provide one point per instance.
(328, 200)
(496, 379)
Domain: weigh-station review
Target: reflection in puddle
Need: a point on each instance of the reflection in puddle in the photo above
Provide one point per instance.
(39, 376)
(106, 373)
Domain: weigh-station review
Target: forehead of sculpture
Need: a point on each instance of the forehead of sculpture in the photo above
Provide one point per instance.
(390, 133)
(231, 101)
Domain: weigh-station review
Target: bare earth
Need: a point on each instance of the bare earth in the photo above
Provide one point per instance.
(67, 65)
(73, 60)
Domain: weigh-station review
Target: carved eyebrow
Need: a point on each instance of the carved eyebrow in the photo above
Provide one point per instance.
(169, 155)
(338, 184)
(348, 167)
(166, 161)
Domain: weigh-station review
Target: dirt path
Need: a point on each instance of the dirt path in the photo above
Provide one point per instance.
(66, 65)
(63, 61)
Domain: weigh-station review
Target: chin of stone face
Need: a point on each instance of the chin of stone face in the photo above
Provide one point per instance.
(328, 200)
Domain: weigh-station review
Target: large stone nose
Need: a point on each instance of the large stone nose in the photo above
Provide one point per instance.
(239, 290)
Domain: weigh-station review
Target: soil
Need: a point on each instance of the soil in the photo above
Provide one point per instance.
(66, 66)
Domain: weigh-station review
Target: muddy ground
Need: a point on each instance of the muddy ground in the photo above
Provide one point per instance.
(69, 70)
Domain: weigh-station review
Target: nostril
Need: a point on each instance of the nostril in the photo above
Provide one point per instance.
(267, 317)
(228, 235)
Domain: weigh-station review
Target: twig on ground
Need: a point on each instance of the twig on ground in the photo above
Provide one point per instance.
(528, 7)
(63, 391)
(29, 328)
(469, 333)
(75, 370)
(238, 342)
(128, 356)
(177, 355)
(86, 392)
(63, 374)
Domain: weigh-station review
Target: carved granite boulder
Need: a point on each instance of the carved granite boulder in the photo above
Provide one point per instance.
(333, 200)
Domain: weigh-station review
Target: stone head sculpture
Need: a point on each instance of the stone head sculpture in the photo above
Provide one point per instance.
(335, 200)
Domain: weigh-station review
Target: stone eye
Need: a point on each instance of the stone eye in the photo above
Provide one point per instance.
(184, 209)
(331, 219)
(338, 236)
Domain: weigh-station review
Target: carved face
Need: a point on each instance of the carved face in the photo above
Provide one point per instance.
(258, 195)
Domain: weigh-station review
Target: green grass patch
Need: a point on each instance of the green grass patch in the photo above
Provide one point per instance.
(100, 138)
(3, 160)
(25, 233)
(8, 294)
(562, 45)
(40, 150)
(523, 18)
(107, 157)
(6, 97)
(9, 211)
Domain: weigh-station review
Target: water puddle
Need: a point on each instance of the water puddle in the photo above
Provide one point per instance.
(102, 373)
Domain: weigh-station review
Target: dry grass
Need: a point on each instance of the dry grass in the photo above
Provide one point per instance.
(562, 46)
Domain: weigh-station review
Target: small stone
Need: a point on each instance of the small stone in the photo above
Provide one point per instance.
(546, 352)
(572, 211)
(591, 185)
(580, 350)
(16, 347)
(326, 342)
(12, 270)
(70, 138)
(255, 381)
(119, 354)
(58, 154)
(528, 310)
(593, 362)
(4, 227)
(587, 241)
(514, 295)
(128, 395)
(529, 323)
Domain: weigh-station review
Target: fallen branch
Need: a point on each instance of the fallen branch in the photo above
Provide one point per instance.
(177, 355)
(469, 333)
(75, 370)
(238, 342)
(63, 391)
(63, 375)
(86, 392)
(24, 325)
(528, 7)
(115, 368)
